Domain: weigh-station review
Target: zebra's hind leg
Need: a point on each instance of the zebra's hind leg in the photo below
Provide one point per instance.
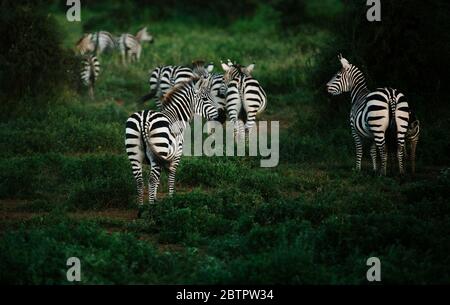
(373, 154)
(400, 157)
(384, 157)
(137, 173)
(153, 183)
(359, 149)
(172, 173)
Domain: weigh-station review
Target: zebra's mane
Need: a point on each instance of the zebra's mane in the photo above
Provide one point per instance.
(168, 97)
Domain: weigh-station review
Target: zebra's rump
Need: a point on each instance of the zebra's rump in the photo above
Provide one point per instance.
(162, 79)
(103, 41)
(148, 134)
(90, 70)
(128, 42)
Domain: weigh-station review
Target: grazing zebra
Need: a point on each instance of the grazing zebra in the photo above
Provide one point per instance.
(130, 46)
(89, 72)
(97, 43)
(245, 98)
(373, 114)
(156, 137)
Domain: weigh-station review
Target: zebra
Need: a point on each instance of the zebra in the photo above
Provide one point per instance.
(156, 137)
(89, 72)
(245, 98)
(164, 78)
(97, 43)
(373, 114)
(130, 46)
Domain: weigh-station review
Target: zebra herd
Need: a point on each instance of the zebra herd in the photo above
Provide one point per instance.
(156, 137)
(91, 45)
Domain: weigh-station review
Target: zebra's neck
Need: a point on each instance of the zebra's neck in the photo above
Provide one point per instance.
(179, 109)
(359, 89)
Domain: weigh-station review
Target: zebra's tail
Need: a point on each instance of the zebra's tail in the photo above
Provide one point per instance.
(149, 143)
(147, 97)
(391, 132)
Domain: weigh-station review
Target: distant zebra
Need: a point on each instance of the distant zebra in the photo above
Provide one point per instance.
(97, 43)
(245, 98)
(156, 138)
(89, 72)
(130, 46)
(373, 114)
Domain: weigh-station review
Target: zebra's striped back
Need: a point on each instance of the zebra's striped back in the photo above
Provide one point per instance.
(103, 41)
(162, 79)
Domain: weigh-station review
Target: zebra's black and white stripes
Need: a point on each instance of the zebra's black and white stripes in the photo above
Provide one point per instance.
(156, 137)
(245, 98)
(97, 43)
(89, 72)
(130, 46)
(373, 114)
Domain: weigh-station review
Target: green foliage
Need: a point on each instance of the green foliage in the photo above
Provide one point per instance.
(32, 60)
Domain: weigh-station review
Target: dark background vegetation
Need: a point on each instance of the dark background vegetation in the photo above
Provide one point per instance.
(64, 173)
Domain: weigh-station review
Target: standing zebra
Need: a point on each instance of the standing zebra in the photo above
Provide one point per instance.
(156, 138)
(162, 79)
(130, 46)
(245, 98)
(372, 114)
(89, 72)
(97, 43)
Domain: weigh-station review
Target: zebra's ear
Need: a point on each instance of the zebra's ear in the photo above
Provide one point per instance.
(225, 67)
(198, 84)
(89, 36)
(344, 62)
(210, 68)
(230, 63)
(249, 69)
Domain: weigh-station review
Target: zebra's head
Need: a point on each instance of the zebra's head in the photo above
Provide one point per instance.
(85, 44)
(143, 35)
(201, 69)
(204, 103)
(343, 80)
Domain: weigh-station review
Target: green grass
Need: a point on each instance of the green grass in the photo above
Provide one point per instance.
(311, 220)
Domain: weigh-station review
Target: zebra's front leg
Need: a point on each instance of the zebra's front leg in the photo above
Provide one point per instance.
(359, 149)
(373, 154)
(155, 175)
